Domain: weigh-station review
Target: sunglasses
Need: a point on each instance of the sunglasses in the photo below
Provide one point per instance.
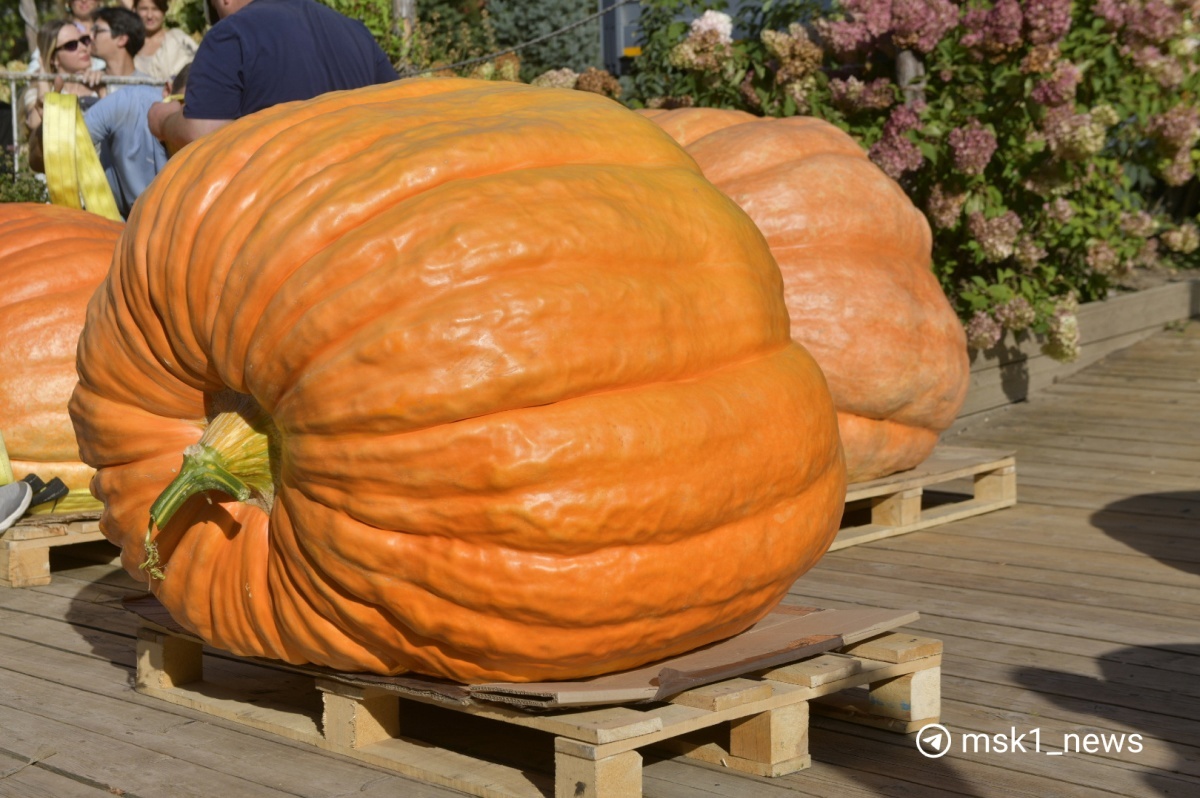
(74, 44)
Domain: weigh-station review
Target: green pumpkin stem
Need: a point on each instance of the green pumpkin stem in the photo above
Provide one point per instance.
(235, 456)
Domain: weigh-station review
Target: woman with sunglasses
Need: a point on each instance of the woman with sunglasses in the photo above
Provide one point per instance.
(66, 51)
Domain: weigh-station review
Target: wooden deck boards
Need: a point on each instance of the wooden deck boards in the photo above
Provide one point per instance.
(1076, 611)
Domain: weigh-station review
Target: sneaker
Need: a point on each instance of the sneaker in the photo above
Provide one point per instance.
(34, 481)
(52, 491)
(14, 501)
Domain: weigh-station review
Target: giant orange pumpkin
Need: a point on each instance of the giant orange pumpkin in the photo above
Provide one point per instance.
(855, 257)
(506, 385)
(51, 261)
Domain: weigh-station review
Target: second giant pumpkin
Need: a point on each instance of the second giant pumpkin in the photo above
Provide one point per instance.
(855, 257)
(51, 261)
(523, 378)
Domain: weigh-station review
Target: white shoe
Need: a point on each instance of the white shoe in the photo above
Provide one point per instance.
(14, 501)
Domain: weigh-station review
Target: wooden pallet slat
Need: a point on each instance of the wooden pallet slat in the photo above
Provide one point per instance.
(755, 723)
(899, 503)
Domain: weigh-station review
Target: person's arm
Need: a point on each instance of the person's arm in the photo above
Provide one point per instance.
(214, 92)
(169, 125)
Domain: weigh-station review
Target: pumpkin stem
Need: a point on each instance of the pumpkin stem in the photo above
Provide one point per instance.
(235, 456)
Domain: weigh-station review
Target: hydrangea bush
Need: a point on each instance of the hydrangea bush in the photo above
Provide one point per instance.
(1051, 143)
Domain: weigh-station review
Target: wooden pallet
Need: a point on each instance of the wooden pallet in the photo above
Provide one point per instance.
(756, 723)
(25, 547)
(928, 495)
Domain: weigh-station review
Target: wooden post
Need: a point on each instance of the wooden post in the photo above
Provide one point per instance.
(898, 509)
(575, 776)
(997, 485)
(914, 696)
(165, 661)
(355, 717)
(23, 565)
(777, 739)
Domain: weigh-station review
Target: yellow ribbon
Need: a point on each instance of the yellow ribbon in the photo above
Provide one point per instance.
(73, 172)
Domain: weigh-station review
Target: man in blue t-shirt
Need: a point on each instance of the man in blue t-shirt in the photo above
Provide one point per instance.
(264, 52)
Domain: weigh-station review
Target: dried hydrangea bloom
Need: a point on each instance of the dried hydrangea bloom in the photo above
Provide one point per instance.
(920, 24)
(1185, 240)
(1177, 170)
(1062, 338)
(1177, 129)
(714, 22)
(851, 94)
(1040, 59)
(894, 153)
(1047, 21)
(1059, 88)
(1059, 210)
(1016, 314)
(1072, 136)
(556, 79)
(944, 206)
(983, 331)
(703, 52)
(973, 146)
(1102, 258)
(997, 236)
(1139, 224)
(1028, 252)
(599, 81)
(797, 54)
(994, 32)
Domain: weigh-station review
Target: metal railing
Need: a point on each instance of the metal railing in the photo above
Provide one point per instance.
(16, 79)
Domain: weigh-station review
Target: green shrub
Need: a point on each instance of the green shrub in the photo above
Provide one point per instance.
(1052, 144)
(519, 21)
(23, 187)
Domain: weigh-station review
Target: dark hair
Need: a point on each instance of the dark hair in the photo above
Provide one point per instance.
(123, 22)
(162, 4)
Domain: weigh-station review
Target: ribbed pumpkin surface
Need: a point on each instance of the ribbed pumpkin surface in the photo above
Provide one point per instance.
(537, 413)
(855, 257)
(51, 261)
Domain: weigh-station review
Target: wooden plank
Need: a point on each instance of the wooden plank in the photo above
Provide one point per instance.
(23, 778)
(1121, 627)
(989, 559)
(723, 695)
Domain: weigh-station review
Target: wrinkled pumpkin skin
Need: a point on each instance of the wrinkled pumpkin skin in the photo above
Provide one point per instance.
(855, 257)
(537, 410)
(51, 261)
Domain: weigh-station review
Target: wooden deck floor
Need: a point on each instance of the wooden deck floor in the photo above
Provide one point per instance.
(1078, 611)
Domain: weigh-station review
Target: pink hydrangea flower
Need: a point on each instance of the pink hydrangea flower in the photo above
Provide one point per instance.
(993, 32)
(1047, 21)
(1156, 22)
(1114, 12)
(1177, 129)
(852, 94)
(996, 236)
(921, 24)
(973, 146)
(1059, 88)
